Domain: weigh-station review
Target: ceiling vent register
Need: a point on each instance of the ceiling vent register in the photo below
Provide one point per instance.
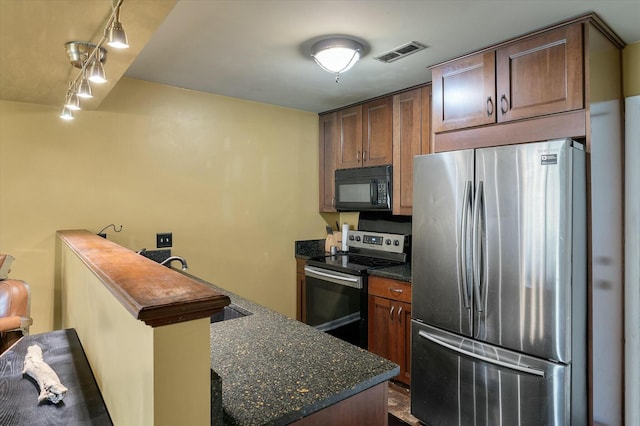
(401, 52)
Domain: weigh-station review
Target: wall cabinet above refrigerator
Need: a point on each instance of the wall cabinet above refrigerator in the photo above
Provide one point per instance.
(532, 77)
(535, 87)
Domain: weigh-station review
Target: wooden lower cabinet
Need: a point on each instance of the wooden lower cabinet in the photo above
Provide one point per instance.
(389, 330)
(368, 407)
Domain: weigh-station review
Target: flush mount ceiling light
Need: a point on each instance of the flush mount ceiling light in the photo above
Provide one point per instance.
(90, 58)
(336, 55)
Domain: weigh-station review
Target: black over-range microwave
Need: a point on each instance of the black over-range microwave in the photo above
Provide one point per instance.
(364, 189)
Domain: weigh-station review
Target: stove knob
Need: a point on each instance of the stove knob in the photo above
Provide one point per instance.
(388, 242)
(358, 238)
(396, 242)
(350, 237)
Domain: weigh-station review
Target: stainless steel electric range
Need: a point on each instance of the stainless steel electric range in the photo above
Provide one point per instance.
(336, 285)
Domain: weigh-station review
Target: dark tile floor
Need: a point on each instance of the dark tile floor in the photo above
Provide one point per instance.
(399, 403)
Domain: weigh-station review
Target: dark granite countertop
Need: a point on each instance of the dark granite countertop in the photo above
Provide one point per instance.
(400, 273)
(276, 370)
(307, 249)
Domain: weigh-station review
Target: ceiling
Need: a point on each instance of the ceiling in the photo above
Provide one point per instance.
(259, 49)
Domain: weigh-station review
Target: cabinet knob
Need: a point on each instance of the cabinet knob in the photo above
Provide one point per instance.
(504, 104)
(489, 106)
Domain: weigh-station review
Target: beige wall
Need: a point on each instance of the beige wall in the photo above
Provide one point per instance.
(235, 181)
(631, 69)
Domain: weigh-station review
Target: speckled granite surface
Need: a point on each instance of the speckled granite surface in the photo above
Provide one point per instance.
(307, 249)
(276, 370)
(400, 273)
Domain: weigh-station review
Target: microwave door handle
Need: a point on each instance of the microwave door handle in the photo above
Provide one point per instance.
(373, 191)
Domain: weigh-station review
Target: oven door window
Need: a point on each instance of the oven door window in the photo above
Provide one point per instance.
(335, 309)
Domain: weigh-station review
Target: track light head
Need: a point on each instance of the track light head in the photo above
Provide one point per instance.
(96, 72)
(84, 88)
(117, 36)
(66, 114)
(72, 101)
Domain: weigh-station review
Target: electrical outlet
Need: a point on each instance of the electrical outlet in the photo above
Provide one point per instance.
(164, 240)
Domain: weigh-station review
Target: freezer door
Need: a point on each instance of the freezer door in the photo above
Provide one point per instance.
(459, 381)
(441, 262)
(523, 246)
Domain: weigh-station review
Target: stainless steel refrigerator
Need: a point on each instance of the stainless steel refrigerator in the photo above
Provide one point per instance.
(499, 286)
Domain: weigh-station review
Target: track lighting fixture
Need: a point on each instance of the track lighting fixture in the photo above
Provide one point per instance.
(84, 88)
(72, 101)
(96, 72)
(117, 36)
(90, 58)
(66, 114)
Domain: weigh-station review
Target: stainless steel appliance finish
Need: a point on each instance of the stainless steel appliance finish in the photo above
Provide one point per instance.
(335, 302)
(364, 189)
(391, 243)
(335, 291)
(499, 286)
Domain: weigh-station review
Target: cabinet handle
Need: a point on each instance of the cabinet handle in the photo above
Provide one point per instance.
(364, 155)
(504, 104)
(400, 313)
(358, 156)
(489, 106)
(396, 290)
(391, 313)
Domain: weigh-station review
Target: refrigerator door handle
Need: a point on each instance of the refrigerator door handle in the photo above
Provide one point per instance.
(462, 243)
(477, 245)
(521, 368)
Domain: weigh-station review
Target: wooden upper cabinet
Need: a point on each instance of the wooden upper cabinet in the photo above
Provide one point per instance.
(531, 77)
(350, 147)
(411, 135)
(541, 75)
(377, 132)
(329, 143)
(464, 92)
(366, 134)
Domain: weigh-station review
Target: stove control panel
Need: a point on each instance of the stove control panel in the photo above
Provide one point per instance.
(393, 243)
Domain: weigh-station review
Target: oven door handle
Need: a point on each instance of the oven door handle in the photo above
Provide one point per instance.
(341, 279)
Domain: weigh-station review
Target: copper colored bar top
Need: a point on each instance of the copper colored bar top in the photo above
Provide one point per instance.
(151, 292)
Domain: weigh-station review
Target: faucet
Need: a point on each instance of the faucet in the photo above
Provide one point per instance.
(170, 259)
(142, 251)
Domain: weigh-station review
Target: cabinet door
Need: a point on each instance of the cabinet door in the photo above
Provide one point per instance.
(377, 133)
(427, 127)
(464, 92)
(403, 333)
(380, 327)
(541, 75)
(329, 142)
(409, 123)
(350, 148)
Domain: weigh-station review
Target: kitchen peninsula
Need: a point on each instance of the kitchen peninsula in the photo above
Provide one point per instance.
(274, 370)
